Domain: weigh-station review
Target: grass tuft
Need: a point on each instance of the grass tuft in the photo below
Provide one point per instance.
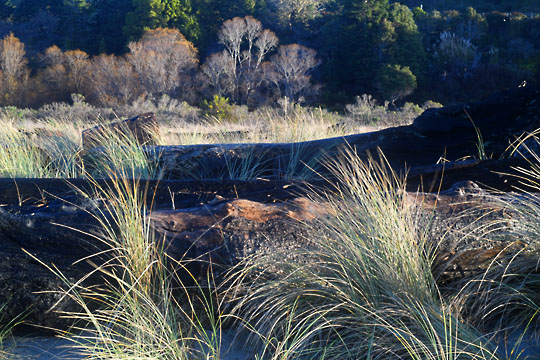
(362, 289)
(19, 157)
(118, 154)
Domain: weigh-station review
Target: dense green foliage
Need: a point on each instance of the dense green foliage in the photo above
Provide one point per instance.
(446, 46)
(481, 5)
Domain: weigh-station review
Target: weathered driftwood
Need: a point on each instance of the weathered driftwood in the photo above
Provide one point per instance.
(501, 175)
(59, 234)
(159, 193)
(491, 174)
(221, 230)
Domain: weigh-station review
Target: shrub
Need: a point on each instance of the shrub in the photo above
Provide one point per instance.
(395, 82)
(163, 60)
(219, 109)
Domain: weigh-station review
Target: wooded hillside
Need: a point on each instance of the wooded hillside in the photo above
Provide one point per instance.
(254, 52)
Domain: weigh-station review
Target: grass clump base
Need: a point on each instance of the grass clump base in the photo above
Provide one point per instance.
(143, 310)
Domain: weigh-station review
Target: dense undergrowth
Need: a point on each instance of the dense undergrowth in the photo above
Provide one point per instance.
(364, 288)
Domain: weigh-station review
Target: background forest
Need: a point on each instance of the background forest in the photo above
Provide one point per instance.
(254, 52)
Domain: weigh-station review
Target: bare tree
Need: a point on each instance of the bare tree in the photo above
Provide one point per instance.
(217, 73)
(290, 70)
(77, 63)
(54, 77)
(246, 45)
(53, 55)
(265, 42)
(14, 71)
(162, 59)
(290, 12)
(232, 35)
(112, 81)
(64, 74)
(242, 69)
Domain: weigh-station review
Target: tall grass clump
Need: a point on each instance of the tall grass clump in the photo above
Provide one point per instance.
(48, 150)
(293, 123)
(243, 164)
(19, 156)
(363, 288)
(119, 154)
(507, 295)
(62, 143)
(143, 311)
(300, 163)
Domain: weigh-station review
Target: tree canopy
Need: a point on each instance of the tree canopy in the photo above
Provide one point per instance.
(445, 46)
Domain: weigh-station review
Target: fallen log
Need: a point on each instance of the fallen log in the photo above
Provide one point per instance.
(159, 193)
(450, 134)
(57, 235)
(502, 175)
(221, 231)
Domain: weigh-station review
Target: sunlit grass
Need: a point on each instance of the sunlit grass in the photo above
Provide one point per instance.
(266, 125)
(143, 311)
(363, 288)
(118, 154)
(50, 151)
(19, 157)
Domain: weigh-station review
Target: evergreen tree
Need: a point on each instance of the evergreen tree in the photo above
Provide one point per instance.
(73, 25)
(146, 14)
(26, 9)
(395, 82)
(406, 48)
(180, 16)
(107, 21)
(151, 14)
(362, 38)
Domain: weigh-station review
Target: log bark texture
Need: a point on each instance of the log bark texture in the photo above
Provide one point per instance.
(61, 232)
